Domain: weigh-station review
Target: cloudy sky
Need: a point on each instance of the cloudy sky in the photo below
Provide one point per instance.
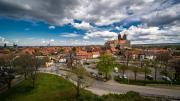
(84, 22)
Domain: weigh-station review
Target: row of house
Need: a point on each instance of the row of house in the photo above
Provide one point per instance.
(87, 55)
(147, 53)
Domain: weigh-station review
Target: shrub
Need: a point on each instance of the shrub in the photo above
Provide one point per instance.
(139, 82)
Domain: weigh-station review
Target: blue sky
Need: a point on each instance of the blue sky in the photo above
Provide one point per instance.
(87, 22)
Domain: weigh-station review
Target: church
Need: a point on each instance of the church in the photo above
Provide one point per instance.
(121, 43)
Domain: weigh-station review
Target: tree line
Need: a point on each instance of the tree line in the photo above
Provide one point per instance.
(24, 64)
(163, 62)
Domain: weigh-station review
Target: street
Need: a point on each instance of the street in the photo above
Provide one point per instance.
(114, 87)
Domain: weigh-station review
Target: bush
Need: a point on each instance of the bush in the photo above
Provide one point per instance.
(139, 82)
(129, 96)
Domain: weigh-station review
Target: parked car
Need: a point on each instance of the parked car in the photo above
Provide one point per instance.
(165, 78)
(123, 76)
(149, 77)
(101, 77)
(93, 74)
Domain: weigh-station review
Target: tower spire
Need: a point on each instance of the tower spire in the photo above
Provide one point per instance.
(119, 36)
(124, 37)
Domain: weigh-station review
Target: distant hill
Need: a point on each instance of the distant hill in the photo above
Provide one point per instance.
(162, 45)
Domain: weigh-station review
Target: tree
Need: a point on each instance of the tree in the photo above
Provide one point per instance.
(71, 57)
(125, 54)
(135, 70)
(28, 65)
(47, 59)
(23, 64)
(61, 50)
(154, 65)
(163, 58)
(74, 49)
(175, 64)
(105, 65)
(6, 69)
(127, 57)
(35, 64)
(145, 68)
(9, 76)
(81, 78)
(122, 68)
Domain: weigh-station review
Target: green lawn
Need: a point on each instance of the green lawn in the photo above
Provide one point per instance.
(49, 88)
(53, 88)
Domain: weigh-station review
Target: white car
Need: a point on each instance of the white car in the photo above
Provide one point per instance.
(166, 78)
(123, 76)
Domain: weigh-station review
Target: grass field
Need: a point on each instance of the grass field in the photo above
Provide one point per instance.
(49, 88)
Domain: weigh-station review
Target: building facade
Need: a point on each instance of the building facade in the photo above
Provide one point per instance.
(121, 43)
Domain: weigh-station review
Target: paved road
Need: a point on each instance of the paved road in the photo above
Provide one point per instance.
(101, 88)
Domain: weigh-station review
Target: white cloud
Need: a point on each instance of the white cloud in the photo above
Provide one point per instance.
(4, 40)
(103, 12)
(162, 16)
(51, 27)
(69, 35)
(83, 25)
(52, 40)
(144, 34)
(101, 34)
(43, 42)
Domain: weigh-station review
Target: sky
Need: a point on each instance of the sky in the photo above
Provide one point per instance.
(88, 22)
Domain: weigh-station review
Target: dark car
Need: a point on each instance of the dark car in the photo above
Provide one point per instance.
(149, 77)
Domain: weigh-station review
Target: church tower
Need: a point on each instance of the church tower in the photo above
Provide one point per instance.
(119, 36)
(124, 37)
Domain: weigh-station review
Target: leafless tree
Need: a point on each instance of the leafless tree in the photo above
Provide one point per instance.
(81, 77)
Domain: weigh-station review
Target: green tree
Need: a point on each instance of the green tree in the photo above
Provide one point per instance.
(135, 70)
(46, 59)
(61, 50)
(122, 68)
(105, 65)
(146, 68)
